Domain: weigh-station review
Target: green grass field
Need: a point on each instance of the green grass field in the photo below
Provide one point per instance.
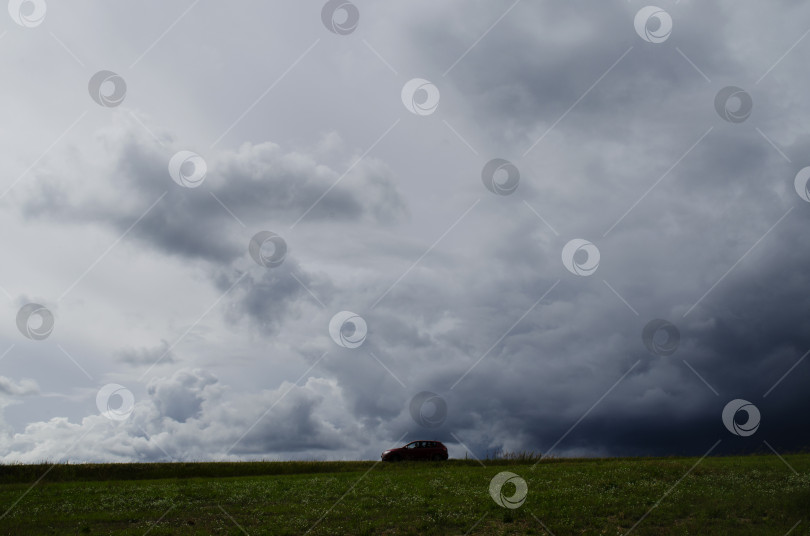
(722, 495)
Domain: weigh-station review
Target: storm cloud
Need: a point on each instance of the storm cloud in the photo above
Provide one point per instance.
(526, 314)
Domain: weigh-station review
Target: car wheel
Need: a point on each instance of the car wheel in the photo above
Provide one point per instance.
(396, 459)
(437, 458)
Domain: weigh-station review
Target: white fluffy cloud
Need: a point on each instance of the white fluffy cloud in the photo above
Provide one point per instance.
(190, 416)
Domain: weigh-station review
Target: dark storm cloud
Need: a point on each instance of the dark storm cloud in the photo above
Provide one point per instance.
(264, 186)
(259, 184)
(748, 332)
(267, 296)
(551, 367)
(539, 60)
(692, 225)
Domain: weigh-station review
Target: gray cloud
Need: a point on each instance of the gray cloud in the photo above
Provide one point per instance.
(25, 386)
(682, 205)
(258, 184)
(147, 356)
(181, 398)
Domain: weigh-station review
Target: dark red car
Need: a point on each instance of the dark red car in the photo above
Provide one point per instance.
(417, 450)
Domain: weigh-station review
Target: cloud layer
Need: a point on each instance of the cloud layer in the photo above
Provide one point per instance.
(615, 142)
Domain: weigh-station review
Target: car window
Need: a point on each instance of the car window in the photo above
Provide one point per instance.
(410, 446)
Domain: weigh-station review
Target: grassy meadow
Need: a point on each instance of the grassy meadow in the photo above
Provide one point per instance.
(757, 495)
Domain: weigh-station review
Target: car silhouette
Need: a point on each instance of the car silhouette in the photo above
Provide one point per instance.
(416, 450)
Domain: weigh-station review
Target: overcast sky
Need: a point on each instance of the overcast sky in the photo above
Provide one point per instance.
(296, 230)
